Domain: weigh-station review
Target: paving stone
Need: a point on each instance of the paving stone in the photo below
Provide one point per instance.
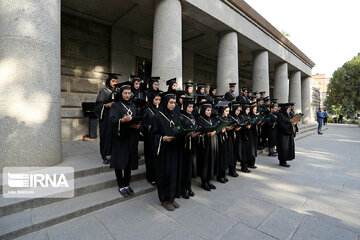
(41, 235)
(243, 232)
(312, 228)
(281, 224)
(87, 227)
(250, 211)
(205, 222)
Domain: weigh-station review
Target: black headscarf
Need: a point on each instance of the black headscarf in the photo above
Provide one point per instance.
(107, 83)
(165, 98)
(121, 99)
(152, 96)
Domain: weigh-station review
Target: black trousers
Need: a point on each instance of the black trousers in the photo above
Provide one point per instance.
(123, 177)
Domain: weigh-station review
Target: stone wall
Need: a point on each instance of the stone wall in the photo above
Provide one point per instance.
(85, 51)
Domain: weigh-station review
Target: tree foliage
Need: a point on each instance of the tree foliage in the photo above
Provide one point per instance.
(344, 88)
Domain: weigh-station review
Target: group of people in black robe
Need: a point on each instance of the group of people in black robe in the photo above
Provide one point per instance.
(188, 135)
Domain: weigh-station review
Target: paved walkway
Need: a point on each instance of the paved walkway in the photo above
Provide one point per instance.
(317, 198)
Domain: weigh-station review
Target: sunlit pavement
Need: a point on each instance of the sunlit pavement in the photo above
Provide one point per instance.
(318, 197)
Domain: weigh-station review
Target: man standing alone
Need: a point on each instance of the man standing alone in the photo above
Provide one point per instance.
(320, 120)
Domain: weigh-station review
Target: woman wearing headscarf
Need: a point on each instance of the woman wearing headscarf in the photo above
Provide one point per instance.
(235, 137)
(188, 142)
(124, 155)
(189, 89)
(168, 152)
(208, 147)
(212, 93)
(104, 101)
(200, 89)
(226, 145)
(254, 136)
(145, 126)
(286, 132)
(246, 136)
(172, 85)
(153, 86)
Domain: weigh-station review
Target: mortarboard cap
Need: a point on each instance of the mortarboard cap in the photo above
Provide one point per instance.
(262, 92)
(171, 81)
(126, 84)
(244, 89)
(222, 104)
(135, 78)
(188, 84)
(112, 75)
(163, 95)
(232, 85)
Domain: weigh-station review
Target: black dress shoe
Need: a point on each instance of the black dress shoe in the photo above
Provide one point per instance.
(105, 160)
(190, 192)
(212, 186)
(284, 165)
(272, 155)
(124, 192)
(245, 170)
(221, 180)
(205, 186)
(185, 194)
(253, 167)
(233, 174)
(130, 191)
(226, 179)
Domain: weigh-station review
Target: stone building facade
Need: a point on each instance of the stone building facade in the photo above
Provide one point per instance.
(52, 54)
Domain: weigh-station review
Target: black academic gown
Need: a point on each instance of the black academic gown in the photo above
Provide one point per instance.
(271, 125)
(226, 151)
(189, 149)
(168, 159)
(229, 96)
(124, 154)
(149, 152)
(248, 146)
(236, 135)
(286, 143)
(207, 151)
(242, 99)
(105, 126)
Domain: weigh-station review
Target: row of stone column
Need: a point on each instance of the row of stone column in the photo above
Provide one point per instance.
(167, 61)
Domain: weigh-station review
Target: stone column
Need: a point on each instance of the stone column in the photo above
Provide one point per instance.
(281, 83)
(167, 42)
(306, 100)
(260, 75)
(295, 90)
(227, 62)
(30, 129)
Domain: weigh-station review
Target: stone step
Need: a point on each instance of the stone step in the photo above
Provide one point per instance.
(82, 185)
(35, 219)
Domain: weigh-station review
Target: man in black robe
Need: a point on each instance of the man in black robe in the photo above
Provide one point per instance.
(104, 101)
(229, 96)
(168, 152)
(243, 97)
(124, 154)
(286, 131)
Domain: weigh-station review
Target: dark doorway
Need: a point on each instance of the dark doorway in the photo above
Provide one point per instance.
(143, 70)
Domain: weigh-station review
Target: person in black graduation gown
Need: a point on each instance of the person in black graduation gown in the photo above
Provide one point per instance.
(168, 152)
(246, 137)
(188, 121)
(286, 131)
(145, 126)
(236, 137)
(189, 89)
(124, 155)
(229, 96)
(200, 90)
(271, 124)
(243, 97)
(172, 85)
(153, 86)
(180, 94)
(208, 147)
(254, 136)
(104, 100)
(226, 148)
(291, 115)
(212, 93)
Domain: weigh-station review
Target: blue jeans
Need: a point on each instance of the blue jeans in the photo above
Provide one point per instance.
(320, 125)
